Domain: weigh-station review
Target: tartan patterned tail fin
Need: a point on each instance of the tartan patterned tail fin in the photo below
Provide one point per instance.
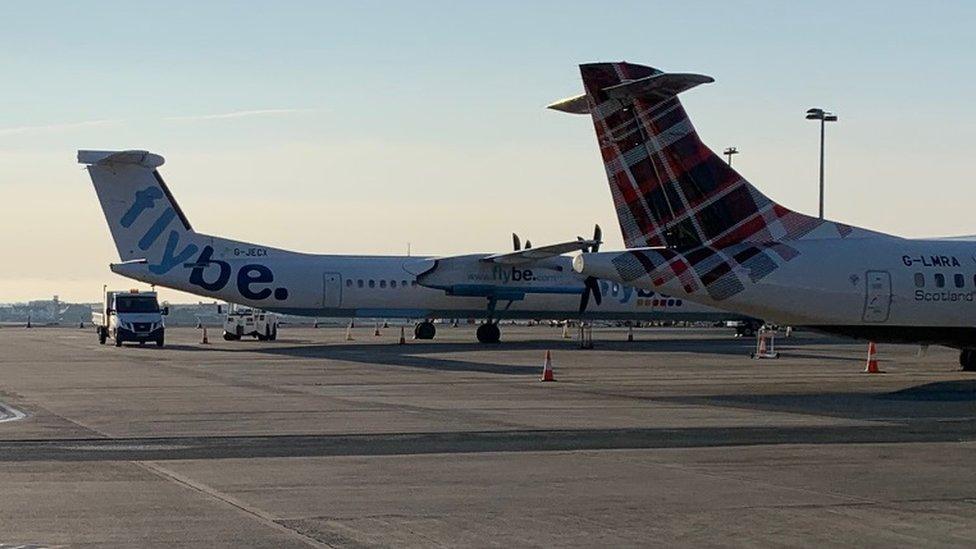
(668, 188)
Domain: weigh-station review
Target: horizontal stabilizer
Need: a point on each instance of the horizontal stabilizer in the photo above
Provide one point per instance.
(140, 158)
(656, 87)
(572, 105)
(530, 255)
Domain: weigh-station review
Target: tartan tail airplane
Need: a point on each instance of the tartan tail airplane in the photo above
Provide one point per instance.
(695, 228)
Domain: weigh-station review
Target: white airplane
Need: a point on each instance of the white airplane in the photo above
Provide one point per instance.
(693, 227)
(158, 246)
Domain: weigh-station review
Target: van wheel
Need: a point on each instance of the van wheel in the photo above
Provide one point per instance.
(159, 342)
(230, 337)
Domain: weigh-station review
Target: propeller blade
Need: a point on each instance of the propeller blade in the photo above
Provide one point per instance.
(584, 300)
(597, 293)
(591, 288)
(598, 237)
(516, 243)
(528, 244)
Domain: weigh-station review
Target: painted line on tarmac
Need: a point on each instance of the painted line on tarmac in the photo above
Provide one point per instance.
(9, 413)
(459, 442)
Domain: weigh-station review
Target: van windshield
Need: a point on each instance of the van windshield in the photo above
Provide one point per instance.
(132, 304)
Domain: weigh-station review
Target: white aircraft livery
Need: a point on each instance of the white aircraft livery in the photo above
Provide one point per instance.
(693, 227)
(157, 245)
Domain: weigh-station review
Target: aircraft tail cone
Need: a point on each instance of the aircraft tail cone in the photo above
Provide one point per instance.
(349, 332)
(204, 340)
(547, 368)
(872, 365)
(403, 337)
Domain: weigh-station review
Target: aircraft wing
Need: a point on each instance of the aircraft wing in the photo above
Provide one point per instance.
(531, 255)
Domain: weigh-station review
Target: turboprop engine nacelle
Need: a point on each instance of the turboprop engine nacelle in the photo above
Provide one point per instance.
(473, 275)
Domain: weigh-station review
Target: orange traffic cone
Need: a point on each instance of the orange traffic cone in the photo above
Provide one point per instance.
(403, 337)
(630, 334)
(547, 368)
(872, 366)
(205, 341)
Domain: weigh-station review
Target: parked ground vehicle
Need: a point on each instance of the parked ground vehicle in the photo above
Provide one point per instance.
(130, 316)
(244, 321)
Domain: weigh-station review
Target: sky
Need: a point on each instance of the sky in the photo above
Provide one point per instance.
(360, 127)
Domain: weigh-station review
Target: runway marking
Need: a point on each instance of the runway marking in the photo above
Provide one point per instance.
(9, 413)
(249, 510)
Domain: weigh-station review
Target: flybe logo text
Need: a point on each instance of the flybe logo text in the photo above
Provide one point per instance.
(252, 279)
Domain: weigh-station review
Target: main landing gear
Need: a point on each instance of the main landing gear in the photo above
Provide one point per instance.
(967, 359)
(489, 332)
(424, 330)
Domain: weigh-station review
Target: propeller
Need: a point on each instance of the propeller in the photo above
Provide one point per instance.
(516, 243)
(528, 244)
(590, 283)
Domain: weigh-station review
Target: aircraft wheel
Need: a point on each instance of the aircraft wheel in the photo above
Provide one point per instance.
(231, 337)
(274, 333)
(489, 333)
(424, 330)
(967, 359)
(102, 336)
(160, 342)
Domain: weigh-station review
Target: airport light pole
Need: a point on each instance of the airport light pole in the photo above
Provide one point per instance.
(824, 117)
(729, 151)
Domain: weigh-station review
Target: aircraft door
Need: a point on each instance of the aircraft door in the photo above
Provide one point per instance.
(332, 291)
(877, 299)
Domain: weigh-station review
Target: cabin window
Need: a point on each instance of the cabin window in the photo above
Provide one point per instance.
(413, 283)
(382, 284)
(348, 283)
(393, 283)
(919, 280)
(372, 283)
(939, 280)
(959, 280)
(403, 283)
(359, 283)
